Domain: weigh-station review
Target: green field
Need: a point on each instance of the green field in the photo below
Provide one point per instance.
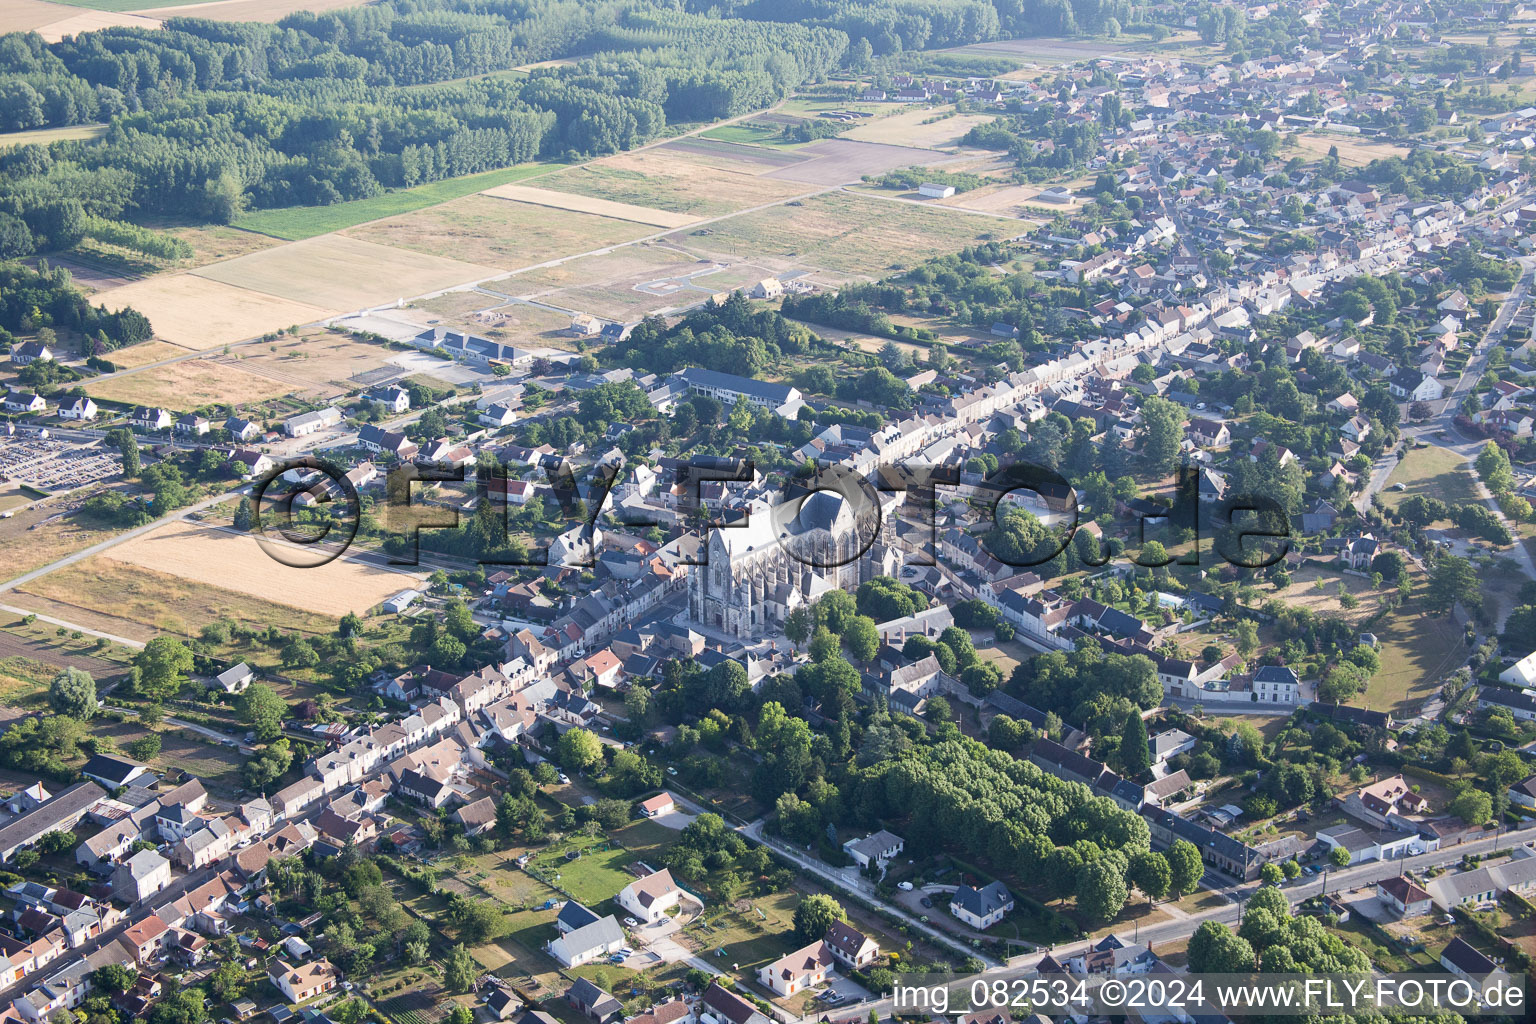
(598, 874)
(298, 222)
(751, 134)
(1432, 472)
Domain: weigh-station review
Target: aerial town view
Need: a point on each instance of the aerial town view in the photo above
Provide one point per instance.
(767, 511)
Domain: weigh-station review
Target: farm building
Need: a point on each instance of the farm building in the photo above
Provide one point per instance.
(932, 190)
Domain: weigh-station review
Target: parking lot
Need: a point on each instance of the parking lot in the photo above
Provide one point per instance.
(56, 466)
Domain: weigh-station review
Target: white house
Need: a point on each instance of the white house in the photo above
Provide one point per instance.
(804, 968)
(1522, 673)
(981, 908)
(648, 899)
(587, 943)
(851, 946)
(301, 983)
(306, 423)
(1403, 896)
(932, 190)
(24, 401)
(875, 849)
(78, 409)
(233, 680)
(656, 806)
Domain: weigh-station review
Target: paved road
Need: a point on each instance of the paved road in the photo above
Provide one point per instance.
(836, 879)
(1379, 472)
(1229, 913)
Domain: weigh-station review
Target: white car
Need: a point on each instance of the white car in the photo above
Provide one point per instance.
(904, 886)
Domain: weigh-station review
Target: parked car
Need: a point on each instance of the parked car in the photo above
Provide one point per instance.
(904, 886)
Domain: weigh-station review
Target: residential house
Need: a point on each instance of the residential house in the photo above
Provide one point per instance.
(794, 972)
(587, 943)
(876, 849)
(1460, 957)
(593, 1003)
(1403, 896)
(648, 899)
(303, 982)
(850, 946)
(78, 409)
(981, 908)
(141, 876)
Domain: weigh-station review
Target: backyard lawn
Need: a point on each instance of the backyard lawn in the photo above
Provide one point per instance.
(601, 869)
(1432, 472)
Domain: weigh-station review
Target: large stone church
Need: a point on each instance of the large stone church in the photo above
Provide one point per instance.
(776, 558)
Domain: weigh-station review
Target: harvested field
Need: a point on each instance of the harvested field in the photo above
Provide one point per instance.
(148, 352)
(1008, 199)
(215, 558)
(633, 263)
(186, 385)
(214, 242)
(908, 129)
(1044, 51)
(199, 313)
(590, 204)
(1353, 151)
(246, 10)
(497, 232)
(44, 136)
(136, 602)
(70, 20)
(665, 179)
(338, 273)
(89, 275)
(842, 162)
(734, 151)
(26, 15)
(320, 362)
(844, 233)
(23, 549)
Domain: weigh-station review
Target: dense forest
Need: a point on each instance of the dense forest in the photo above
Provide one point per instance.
(209, 118)
(34, 299)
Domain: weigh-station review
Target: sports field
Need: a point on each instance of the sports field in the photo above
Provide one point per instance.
(198, 312)
(498, 233)
(221, 559)
(338, 273)
(845, 233)
(186, 385)
(664, 179)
